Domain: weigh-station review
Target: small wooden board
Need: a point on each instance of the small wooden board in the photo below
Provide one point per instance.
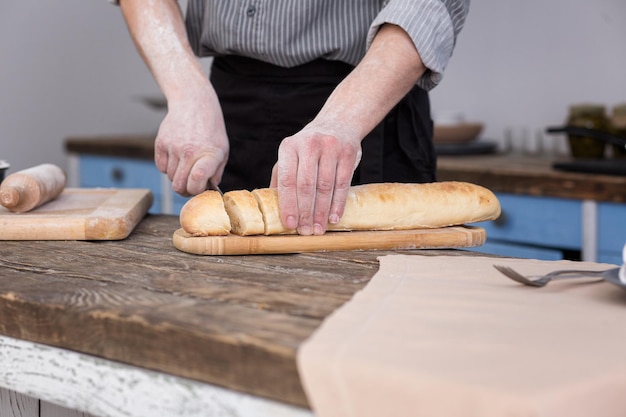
(445, 237)
(79, 214)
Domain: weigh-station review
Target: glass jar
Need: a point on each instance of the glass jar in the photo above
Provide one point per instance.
(618, 126)
(590, 116)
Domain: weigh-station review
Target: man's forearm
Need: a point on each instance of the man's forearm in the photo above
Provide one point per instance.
(387, 73)
(158, 30)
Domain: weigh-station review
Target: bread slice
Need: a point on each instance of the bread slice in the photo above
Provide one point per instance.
(267, 199)
(245, 215)
(205, 215)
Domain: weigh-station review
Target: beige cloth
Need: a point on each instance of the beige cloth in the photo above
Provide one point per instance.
(450, 336)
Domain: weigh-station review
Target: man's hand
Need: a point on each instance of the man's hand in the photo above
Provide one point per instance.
(191, 145)
(313, 175)
(315, 166)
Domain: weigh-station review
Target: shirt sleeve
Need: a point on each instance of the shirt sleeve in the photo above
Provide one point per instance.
(433, 25)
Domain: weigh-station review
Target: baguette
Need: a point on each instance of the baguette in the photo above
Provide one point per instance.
(382, 206)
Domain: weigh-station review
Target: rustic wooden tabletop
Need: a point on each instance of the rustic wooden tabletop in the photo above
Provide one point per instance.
(232, 321)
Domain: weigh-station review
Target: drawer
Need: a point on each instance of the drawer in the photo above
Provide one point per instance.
(518, 251)
(614, 258)
(119, 173)
(611, 227)
(541, 221)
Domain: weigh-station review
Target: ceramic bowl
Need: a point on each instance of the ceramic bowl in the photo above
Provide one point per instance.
(457, 133)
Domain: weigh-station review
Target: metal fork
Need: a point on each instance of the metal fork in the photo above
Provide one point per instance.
(542, 280)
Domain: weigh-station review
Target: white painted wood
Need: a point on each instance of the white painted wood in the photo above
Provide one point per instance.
(13, 404)
(110, 389)
(589, 251)
(52, 410)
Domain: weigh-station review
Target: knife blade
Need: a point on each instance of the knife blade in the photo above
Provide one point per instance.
(210, 185)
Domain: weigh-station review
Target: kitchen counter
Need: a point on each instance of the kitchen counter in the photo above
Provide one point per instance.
(532, 176)
(546, 213)
(128, 146)
(234, 322)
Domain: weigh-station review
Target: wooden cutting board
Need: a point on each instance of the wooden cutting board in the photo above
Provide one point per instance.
(79, 214)
(445, 237)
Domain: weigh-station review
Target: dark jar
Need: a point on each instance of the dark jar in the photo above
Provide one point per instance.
(590, 116)
(618, 127)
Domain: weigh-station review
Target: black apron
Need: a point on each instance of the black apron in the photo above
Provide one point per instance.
(264, 103)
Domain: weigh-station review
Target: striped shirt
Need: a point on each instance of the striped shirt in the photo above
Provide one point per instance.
(292, 32)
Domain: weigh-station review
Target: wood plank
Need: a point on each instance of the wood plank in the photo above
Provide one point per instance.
(79, 214)
(85, 385)
(14, 404)
(238, 324)
(444, 237)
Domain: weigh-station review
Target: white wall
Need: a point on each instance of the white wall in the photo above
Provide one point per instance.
(68, 68)
(521, 63)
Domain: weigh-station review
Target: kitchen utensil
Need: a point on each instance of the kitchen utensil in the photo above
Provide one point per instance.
(445, 237)
(79, 214)
(592, 133)
(459, 133)
(612, 276)
(593, 166)
(472, 148)
(4, 165)
(543, 280)
(210, 185)
(29, 188)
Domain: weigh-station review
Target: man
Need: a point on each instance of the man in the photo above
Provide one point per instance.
(306, 87)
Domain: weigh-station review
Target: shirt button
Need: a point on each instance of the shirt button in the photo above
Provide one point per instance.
(251, 11)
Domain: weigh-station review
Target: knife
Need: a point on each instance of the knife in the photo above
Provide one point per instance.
(210, 185)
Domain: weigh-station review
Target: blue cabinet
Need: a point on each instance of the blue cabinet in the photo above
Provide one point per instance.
(112, 172)
(611, 232)
(550, 228)
(538, 221)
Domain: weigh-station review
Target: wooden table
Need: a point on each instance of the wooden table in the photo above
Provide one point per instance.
(531, 175)
(201, 321)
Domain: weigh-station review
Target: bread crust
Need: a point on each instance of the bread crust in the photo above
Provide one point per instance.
(205, 215)
(244, 213)
(382, 206)
(398, 206)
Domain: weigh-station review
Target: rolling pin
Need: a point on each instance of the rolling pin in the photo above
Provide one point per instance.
(30, 188)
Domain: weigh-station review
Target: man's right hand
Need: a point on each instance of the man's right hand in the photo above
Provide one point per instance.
(191, 145)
